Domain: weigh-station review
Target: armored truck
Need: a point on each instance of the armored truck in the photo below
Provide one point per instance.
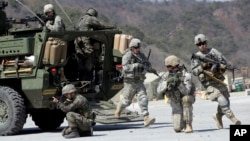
(37, 63)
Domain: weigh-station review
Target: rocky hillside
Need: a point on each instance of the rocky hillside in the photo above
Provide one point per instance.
(165, 27)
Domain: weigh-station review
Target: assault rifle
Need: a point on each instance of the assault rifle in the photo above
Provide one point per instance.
(145, 62)
(44, 18)
(214, 61)
(25, 20)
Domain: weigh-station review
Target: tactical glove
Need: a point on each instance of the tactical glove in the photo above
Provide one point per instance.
(173, 81)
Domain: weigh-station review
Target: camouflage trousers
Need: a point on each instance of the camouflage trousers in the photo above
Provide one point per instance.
(220, 94)
(182, 112)
(78, 121)
(135, 88)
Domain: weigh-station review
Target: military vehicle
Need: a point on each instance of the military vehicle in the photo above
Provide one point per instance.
(33, 65)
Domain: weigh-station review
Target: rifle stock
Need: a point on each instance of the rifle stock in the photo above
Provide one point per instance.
(210, 75)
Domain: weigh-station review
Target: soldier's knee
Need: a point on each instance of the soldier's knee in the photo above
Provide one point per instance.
(143, 101)
(125, 103)
(69, 114)
(188, 100)
(223, 101)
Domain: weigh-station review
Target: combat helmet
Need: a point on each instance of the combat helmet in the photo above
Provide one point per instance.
(92, 12)
(199, 38)
(69, 88)
(48, 8)
(135, 43)
(172, 60)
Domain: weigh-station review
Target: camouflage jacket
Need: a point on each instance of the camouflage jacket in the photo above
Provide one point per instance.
(89, 23)
(56, 25)
(184, 87)
(128, 64)
(79, 105)
(197, 65)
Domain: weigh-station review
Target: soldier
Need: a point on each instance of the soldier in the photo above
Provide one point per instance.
(135, 65)
(78, 113)
(3, 18)
(54, 22)
(177, 85)
(84, 47)
(215, 89)
(89, 22)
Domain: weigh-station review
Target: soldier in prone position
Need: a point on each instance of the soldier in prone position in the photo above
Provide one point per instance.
(78, 113)
(216, 91)
(134, 72)
(177, 85)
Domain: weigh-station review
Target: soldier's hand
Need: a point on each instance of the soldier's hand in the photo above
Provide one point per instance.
(55, 100)
(49, 22)
(173, 81)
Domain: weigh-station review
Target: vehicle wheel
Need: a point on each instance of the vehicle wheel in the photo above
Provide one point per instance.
(12, 111)
(47, 119)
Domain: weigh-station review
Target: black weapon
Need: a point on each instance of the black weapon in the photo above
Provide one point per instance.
(44, 17)
(215, 61)
(149, 53)
(41, 21)
(145, 62)
(22, 21)
(3, 4)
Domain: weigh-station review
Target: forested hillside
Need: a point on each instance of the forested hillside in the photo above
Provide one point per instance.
(166, 27)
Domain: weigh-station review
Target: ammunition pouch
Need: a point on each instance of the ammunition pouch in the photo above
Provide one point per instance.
(138, 68)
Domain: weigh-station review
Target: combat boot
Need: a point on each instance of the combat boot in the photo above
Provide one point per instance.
(148, 121)
(189, 128)
(87, 133)
(235, 120)
(118, 111)
(73, 134)
(218, 120)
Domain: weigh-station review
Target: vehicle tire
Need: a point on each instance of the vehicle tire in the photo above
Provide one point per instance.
(12, 111)
(46, 119)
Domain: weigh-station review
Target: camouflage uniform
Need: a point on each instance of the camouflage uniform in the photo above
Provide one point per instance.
(179, 89)
(56, 24)
(215, 91)
(88, 22)
(79, 114)
(135, 67)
